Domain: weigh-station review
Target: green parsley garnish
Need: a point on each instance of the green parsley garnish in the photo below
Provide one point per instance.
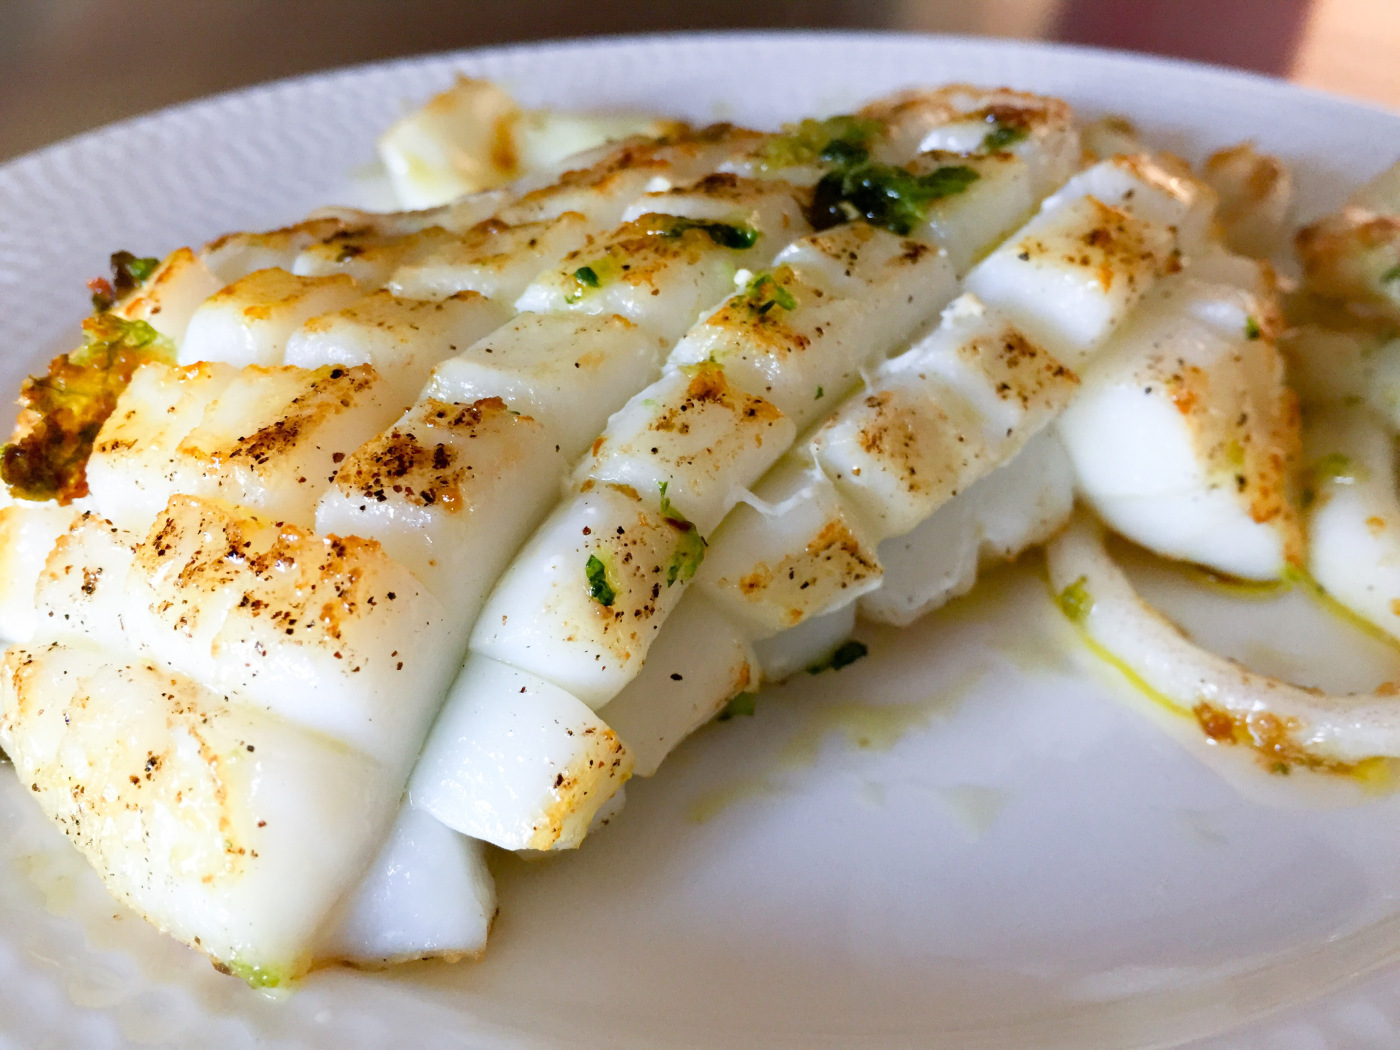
(764, 291)
(833, 140)
(1393, 274)
(63, 410)
(585, 278)
(819, 394)
(600, 588)
(1075, 600)
(1001, 136)
(250, 973)
(846, 654)
(128, 272)
(741, 704)
(1252, 329)
(690, 551)
(725, 234)
(884, 195)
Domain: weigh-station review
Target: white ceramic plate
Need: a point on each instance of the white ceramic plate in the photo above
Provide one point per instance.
(975, 838)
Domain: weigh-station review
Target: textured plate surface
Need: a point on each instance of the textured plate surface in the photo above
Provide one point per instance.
(975, 838)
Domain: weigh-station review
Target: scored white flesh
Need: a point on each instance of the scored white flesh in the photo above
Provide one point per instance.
(168, 298)
(570, 372)
(1183, 436)
(493, 258)
(1018, 505)
(793, 548)
(844, 298)
(1071, 274)
(402, 338)
(517, 761)
(250, 321)
(225, 826)
(427, 895)
(661, 274)
(706, 431)
(328, 633)
(268, 438)
(554, 589)
(545, 596)
(968, 396)
(683, 685)
(28, 531)
(369, 256)
(448, 491)
(1353, 523)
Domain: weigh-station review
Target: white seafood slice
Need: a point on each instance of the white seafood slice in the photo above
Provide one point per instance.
(427, 895)
(570, 372)
(1111, 136)
(794, 549)
(607, 183)
(1285, 723)
(168, 298)
(1355, 253)
(449, 492)
(941, 415)
(473, 136)
(28, 531)
(1256, 198)
(1353, 520)
(834, 303)
(132, 468)
(460, 141)
(1034, 128)
(250, 321)
(368, 255)
(326, 632)
(80, 593)
(1342, 362)
(600, 576)
(1070, 275)
(517, 761)
(967, 397)
(234, 256)
(1184, 434)
(228, 828)
(268, 438)
(1018, 505)
(493, 258)
(402, 338)
(692, 439)
(684, 684)
(660, 269)
(968, 223)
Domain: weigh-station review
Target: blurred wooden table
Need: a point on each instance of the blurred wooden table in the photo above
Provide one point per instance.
(70, 65)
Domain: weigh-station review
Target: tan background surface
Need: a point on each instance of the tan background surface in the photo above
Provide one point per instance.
(70, 65)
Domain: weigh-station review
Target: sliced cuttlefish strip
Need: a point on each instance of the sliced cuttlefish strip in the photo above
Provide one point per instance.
(1284, 722)
(608, 592)
(224, 825)
(1354, 520)
(1185, 433)
(960, 402)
